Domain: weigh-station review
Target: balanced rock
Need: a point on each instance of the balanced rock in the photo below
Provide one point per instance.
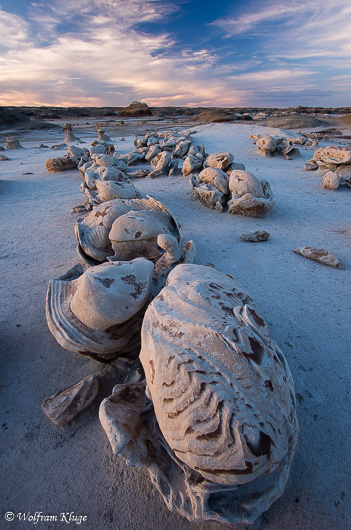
(249, 196)
(69, 136)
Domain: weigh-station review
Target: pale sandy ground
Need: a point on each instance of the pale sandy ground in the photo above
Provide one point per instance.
(307, 305)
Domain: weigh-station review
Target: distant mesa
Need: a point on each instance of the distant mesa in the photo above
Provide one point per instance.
(294, 122)
(135, 110)
(215, 116)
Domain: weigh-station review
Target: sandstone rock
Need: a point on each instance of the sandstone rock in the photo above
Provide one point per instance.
(174, 169)
(108, 190)
(99, 313)
(103, 159)
(135, 234)
(61, 163)
(320, 255)
(93, 231)
(255, 236)
(217, 177)
(140, 141)
(152, 140)
(58, 147)
(270, 145)
(13, 143)
(3, 157)
(331, 180)
(334, 158)
(134, 158)
(249, 197)
(168, 144)
(192, 163)
(197, 149)
(311, 165)
(139, 173)
(208, 194)
(98, 149)
(153, 151)
(64, 406)
(78, 153)
(216, 425)
(219, 160)
(181, 148)
(160, 164)
(172, 256)
(69, 136)
(234, 165)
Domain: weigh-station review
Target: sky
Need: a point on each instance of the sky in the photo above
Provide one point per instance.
(257, 53)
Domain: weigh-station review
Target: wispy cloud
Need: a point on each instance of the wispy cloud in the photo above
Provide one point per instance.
(13, 31)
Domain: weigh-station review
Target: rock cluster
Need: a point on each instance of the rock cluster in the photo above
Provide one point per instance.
(276, 145)
(333, 158)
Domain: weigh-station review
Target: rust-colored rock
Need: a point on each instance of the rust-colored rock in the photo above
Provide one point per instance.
(320, 255)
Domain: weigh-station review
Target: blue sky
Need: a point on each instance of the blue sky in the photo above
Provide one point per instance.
(259, 53)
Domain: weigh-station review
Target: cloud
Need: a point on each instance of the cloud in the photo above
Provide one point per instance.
(294, 95)
(13, 31)
(98, 52)
(107, 51)
(297, 30)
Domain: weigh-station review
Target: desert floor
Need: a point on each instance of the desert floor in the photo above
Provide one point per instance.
(307, 306)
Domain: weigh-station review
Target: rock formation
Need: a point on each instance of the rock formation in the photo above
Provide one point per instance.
(93, 232)
(249, 196)
(216, 424)
(334, 158)
(69, 136)
(99, 313)
(13, 143)
(272, 145)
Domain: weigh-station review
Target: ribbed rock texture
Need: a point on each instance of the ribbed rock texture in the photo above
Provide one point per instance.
(221, 436)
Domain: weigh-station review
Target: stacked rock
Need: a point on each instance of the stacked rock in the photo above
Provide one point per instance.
(277, 145)
(224, 183)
